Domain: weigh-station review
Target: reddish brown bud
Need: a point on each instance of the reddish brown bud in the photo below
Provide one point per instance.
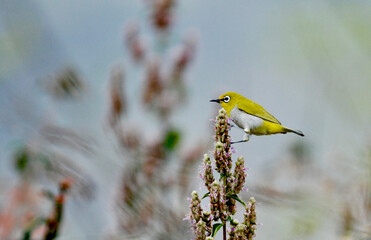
(59, 199)
(65, 184)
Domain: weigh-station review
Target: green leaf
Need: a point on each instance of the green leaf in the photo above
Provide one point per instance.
(234, 196)
(27, 235)
(229, 218)
(171, 139)
(222, 175)
(216, 228)
(22, 159)
(206, 195)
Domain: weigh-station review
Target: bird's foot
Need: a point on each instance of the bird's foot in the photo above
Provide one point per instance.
(239, 141)
(231, 125)
(245, 138)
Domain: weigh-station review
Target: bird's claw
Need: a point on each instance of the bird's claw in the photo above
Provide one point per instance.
(231, 125)
(239, 141)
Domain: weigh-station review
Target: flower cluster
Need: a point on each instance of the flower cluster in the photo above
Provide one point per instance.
(245, 230)
(201, 221)
(117, 96)
(147, 172)
(232, 230)
(183, 57)
(164, 85)
(196, 210)
(239, 175)
(162, 13)
(154, 82)
(223, 161)
(134, 43)
(235, 184)
(250, 219)
(218, 201)
(222, 154)
(208, 176)
(223, 193)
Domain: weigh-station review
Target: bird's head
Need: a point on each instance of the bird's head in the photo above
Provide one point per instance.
(227, 100)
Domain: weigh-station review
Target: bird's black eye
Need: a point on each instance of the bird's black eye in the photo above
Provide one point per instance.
(226, 99)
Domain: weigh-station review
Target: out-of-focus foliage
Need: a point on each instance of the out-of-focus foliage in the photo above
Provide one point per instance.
(171, 140)
(66, 83)
(124, 113)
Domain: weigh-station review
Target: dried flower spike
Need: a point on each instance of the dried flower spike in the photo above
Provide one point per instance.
(250, 219)
(117, 96)
(162, 14)
(218, 201)
(239, 175)
(134, 43)
(223, 155)
(196, 210)
(208, 172)
(154, 85)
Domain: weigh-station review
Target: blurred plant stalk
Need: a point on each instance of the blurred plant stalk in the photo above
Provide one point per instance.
(157, 173)
(49, 227)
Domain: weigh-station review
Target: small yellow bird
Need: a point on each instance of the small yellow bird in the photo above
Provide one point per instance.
(250, 116)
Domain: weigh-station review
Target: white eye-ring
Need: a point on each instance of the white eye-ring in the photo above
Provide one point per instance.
(226, 99)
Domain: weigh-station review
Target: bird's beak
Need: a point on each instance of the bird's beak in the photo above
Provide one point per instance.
(215, 100)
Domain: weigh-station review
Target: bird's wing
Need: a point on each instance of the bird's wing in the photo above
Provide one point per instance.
(255, 109)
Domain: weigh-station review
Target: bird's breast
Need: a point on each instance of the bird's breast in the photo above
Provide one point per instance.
(245, 120)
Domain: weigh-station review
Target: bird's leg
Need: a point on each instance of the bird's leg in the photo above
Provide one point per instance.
(238, 142)
(245, 137)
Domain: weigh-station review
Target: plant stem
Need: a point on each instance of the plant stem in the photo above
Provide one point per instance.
(225, 231)
(225, 223)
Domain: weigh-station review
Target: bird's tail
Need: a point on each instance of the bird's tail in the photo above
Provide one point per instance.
(298, 132)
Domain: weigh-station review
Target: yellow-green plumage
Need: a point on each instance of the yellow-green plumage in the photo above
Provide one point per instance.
(269, 128)
(250, 116)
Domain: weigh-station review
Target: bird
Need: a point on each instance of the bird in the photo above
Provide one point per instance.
(251, 117)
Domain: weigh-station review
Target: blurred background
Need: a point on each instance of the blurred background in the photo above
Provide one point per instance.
(104, 112)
